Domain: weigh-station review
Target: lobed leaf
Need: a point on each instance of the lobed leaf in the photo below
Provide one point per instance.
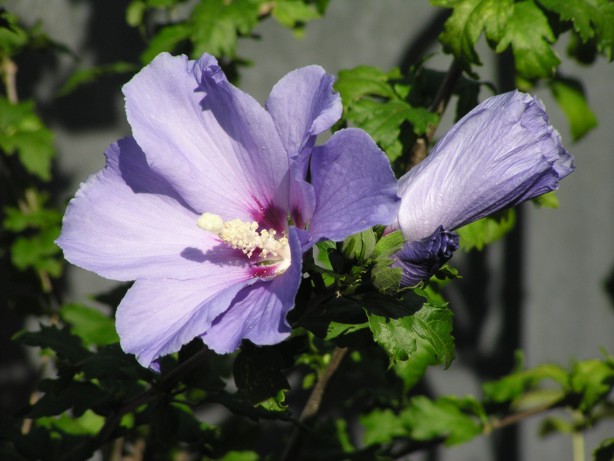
(530, 36)
(376, 101)
(23, 133)
(468, 21)
(400, 336)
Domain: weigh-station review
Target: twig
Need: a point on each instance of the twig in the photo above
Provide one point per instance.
(84, 450)
(312, 406)
(516, 418)
(9, 69)
(419, 149)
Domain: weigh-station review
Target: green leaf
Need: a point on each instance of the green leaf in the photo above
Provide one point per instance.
(91, 325)
(554, 425)
(32, 214)
(399, 337)
(89, 423)
(604, 28)
(515, 385)
(84, 76)
(530, 36)
(579, 12)
(570, 96)
(13, 37)
(240, 456)
(336, 329)
(593, 380)
(217, 24)
(294, 13)
(413, 369)
(38, 252)
(548, 200)
(469, 19)
(376, 102)
(486, 230)
(381, 426)
(22, 132)
(446, 418)
(135, 12)
(354, 84)
(383, 120)
(166, 39)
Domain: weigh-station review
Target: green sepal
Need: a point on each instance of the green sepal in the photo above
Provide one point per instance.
(359, 247)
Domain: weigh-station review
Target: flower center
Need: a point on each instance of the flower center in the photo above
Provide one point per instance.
(246, 237)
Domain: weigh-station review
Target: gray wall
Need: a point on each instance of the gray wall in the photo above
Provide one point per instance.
(567, 254)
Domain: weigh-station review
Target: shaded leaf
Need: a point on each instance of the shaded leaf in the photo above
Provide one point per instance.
(258, 375)
(84, 76)
(570, 96)
(65, 344)
(605, 451)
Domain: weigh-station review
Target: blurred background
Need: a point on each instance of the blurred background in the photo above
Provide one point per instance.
(554, 300)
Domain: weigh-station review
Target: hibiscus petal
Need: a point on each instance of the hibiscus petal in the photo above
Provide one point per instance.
(354, 185)
(501, 153)
(222, 158)
(303, 104)
(127, 222)
(254, 141)
(157, 317)
(258, 313)
(302, 199)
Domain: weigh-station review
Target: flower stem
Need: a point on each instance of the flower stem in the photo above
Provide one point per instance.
(312, 406)
(577, 442)
(9, 69)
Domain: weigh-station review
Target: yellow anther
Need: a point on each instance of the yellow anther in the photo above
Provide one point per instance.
(246, 237)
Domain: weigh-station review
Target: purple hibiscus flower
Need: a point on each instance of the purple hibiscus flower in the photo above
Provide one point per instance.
(206, 205)
(501, 153)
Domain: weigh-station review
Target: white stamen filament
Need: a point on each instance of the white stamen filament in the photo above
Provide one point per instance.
(246, 237)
